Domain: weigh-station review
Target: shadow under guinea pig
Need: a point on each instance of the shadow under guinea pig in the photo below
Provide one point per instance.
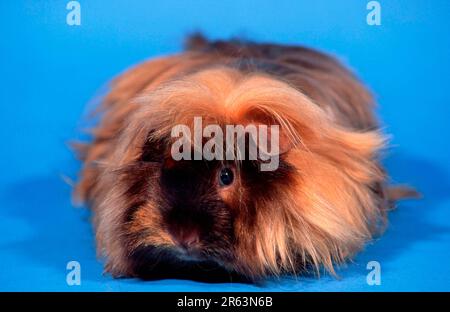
(164, 265)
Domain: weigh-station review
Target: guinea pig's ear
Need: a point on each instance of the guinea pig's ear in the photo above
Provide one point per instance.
(279, 135)
(153, 149)
(285, 143)
(139, 143)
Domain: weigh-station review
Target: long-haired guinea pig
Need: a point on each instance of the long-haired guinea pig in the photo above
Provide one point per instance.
(326, 198)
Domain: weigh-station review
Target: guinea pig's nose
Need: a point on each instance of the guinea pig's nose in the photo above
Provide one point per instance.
(187, 238)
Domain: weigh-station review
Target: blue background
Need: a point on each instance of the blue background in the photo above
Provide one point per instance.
(50, 71)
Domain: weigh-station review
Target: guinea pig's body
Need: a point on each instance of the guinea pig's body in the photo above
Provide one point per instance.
(326, 199)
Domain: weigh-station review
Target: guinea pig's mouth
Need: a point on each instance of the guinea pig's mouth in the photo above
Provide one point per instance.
(156, 263)
(189, 255)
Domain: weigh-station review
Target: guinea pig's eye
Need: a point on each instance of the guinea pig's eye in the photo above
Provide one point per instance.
(226, 177)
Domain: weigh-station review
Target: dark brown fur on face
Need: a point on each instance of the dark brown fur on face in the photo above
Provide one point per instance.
(153, 214)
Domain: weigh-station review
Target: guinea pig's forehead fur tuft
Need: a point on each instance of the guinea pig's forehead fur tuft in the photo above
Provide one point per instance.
(223, 96)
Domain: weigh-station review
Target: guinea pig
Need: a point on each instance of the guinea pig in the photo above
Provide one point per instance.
(326, 198)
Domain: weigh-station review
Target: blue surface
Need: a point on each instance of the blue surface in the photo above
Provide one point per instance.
(49, 71)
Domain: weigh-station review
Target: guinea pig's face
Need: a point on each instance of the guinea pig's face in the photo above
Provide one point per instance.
(201, 210)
